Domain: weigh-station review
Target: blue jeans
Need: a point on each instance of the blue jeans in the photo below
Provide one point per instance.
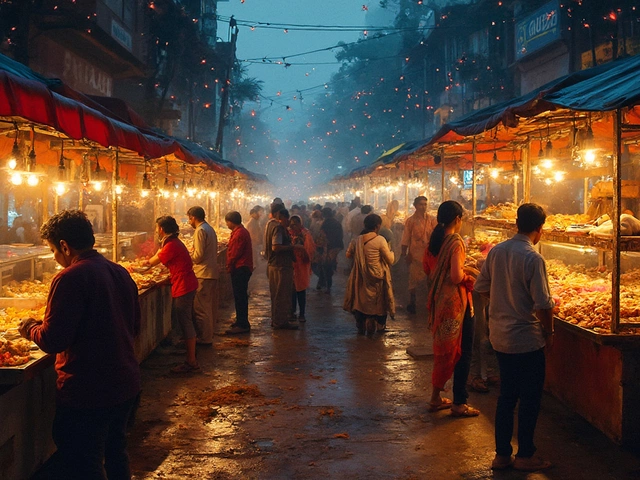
(92, 442)
(521, 379)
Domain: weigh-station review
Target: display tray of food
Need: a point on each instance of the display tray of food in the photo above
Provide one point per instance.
(20, 359)
(583, 299)
(13, 253)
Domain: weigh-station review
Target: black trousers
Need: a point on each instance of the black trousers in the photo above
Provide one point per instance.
(299, 299)
(521, 380)
(240, 286)
(92, 442)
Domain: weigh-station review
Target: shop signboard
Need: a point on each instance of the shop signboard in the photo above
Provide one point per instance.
(538, 30)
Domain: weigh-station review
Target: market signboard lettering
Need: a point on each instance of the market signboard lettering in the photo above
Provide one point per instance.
(83, 76)
(121, 35)
(538, 30)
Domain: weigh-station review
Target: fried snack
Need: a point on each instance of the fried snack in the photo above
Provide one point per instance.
(14, 352)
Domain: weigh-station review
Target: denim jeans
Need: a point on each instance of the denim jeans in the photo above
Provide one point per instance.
(92, 442)
(461, 370)
(240, 286)
(521, 379)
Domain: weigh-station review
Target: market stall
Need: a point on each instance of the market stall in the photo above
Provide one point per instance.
(59, 150)
(571, 146)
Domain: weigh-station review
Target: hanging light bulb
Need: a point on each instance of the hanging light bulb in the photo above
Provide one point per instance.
(495, 169)
(60, 188)
(16, 178)
(12, 161)
(33, 180)
(119, 189)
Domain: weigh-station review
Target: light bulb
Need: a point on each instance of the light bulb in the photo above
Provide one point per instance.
(494, 173)
(589, 157)
(119, 189)
(60, 188)
(32, 180)
(12, 163)
(97, 186)
(16, 178)
(165, 194)
(144, 193)
(546, 163)
(558, 176)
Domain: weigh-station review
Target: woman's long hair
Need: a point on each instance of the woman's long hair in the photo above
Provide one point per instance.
(447, 213)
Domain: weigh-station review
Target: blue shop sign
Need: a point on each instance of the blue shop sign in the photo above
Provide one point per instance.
(538, 30)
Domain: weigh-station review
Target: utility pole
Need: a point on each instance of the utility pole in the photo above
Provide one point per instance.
(424, 97)
(233, 26)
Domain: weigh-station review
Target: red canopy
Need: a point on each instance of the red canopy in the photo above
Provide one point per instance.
(35, 102)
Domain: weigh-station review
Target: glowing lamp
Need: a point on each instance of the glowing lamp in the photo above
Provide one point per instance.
(16, 178)
(32, 180)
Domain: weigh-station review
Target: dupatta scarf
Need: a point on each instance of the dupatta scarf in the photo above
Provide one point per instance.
(366, 276)
(446, 305)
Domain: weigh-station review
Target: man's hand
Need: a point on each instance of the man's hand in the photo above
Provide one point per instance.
(26, 324)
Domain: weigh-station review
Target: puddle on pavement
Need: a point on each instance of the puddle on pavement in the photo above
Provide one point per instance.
(264, 444)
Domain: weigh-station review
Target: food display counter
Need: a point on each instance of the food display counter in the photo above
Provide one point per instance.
(590, 369)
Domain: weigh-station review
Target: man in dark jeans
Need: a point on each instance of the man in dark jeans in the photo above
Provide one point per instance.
(520, 325)
(239, 266)
(332, 230)
(91, 319)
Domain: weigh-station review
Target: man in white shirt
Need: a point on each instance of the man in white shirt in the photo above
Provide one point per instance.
(205, 266)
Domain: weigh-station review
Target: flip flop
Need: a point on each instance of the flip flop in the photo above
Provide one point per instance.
(466, 411)
(443, 405)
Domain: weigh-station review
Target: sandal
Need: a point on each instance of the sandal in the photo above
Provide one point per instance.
(444, 404)
(466, 411)
(185, 368)
(479, 385)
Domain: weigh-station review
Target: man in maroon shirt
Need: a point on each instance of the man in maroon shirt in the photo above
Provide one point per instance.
(91, 319)
(239, 266)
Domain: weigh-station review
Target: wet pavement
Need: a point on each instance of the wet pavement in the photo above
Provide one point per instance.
(324, 402)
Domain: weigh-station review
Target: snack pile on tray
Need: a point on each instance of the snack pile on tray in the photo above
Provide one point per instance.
(145, 278)
(10, 316)
(505, 211)
(583, 296)
(27, 289)
(14, 352)
(561, 223)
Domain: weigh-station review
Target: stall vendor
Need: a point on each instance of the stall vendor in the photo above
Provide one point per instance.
(91, 319)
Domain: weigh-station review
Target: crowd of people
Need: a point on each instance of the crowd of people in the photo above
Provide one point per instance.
(93, 335)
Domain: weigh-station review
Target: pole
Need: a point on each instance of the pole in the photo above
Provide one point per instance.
(526, 172)
(442, 199)
(474, 207)
(114, 209)
(585, 196)
(227, 84)
(617, 176)
(424, 98)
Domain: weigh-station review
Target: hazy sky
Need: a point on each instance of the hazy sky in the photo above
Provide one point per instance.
(262, 42)
(307, 74)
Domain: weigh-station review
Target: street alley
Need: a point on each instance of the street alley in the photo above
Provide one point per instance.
(324, 402)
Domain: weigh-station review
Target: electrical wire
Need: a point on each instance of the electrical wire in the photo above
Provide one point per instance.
(339, 45)
(311, 27)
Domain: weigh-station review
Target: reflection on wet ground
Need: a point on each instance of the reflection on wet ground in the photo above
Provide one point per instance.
(323, 402)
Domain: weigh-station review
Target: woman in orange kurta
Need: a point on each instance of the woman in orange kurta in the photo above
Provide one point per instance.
(450, 311)
(302, 265)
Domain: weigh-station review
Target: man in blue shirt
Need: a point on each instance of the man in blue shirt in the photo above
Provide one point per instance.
(514, 277)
